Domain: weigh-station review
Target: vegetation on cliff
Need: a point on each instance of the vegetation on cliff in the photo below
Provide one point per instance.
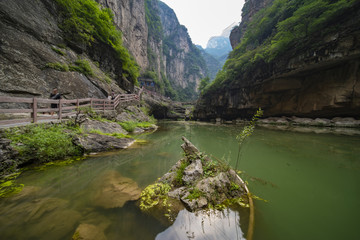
(85, 21)
(284, 25)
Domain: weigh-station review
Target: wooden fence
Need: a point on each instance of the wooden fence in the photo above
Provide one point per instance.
(40, 109)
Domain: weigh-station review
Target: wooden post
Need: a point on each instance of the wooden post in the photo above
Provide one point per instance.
(77, 104)
(60, 110)
(34, 108)
(104, 105)
(91, 103)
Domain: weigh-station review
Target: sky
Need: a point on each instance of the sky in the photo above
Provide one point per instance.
(206, 18)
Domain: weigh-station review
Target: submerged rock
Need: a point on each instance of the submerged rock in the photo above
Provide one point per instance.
(113, 190)
(88, 232)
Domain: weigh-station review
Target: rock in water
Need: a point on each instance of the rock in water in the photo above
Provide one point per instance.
(88, 232)
(98, 143)
(198, 182)
(113, 190)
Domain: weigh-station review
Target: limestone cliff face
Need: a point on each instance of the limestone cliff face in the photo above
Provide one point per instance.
(30, 40)
(180, 54)
(319, 79)
(251, 7)
(129, 16)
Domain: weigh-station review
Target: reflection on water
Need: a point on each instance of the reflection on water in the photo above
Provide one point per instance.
(309, 179)
(211, 225)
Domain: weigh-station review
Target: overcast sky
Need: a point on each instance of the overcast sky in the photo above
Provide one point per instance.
(206, 18)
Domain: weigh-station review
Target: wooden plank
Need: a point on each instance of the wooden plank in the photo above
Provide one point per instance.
(34, 113)
(15, 100)
(16, 110)
(60, 109)
(41, 100)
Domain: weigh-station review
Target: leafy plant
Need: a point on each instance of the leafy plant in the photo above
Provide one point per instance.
(195, 193)
(180, 173)
(246, 132)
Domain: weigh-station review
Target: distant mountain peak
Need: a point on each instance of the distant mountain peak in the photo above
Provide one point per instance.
(226, 32)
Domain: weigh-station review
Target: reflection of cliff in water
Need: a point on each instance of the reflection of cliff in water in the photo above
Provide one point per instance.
(205, 225)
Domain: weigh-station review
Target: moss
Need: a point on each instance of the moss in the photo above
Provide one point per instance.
(8, 186)
(117, 135)
(63, 67)
(151, 195)
(58, 51)
(76, 236)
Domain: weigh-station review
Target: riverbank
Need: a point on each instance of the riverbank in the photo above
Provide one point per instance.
(86, 133)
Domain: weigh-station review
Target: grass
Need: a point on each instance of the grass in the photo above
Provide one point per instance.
(180, 173)
(63, 67)
(58, 51)
(43, 142)
(131, 125)
(82, 66)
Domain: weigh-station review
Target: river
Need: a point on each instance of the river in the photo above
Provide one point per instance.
(309, 181)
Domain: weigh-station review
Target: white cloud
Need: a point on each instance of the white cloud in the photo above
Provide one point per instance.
(206, 18)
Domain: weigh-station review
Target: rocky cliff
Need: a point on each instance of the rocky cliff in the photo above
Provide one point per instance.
(36, 55)
(43, 47)
(318, 75)
(183, 63)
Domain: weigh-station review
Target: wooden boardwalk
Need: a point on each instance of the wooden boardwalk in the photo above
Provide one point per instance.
(35, 110)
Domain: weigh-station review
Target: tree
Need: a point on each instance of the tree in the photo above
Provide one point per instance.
(203, 84)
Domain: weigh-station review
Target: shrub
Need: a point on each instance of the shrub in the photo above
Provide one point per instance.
(82, 66)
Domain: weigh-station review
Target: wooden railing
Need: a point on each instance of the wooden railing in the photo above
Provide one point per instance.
(38, 108)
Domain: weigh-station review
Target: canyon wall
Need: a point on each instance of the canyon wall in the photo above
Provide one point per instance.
(319, 78)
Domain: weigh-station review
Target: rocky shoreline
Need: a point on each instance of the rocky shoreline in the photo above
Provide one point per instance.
(95, 134)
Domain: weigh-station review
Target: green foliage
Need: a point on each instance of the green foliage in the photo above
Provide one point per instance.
(43, 142)
(153, 194)
(273, 31)
(8, 186)
(85, 21)
(117, 135)
(234, 186)
(153, 21)
(203, 84)
(180, 173)
(82, 66)
(195, 193)
(58, 51)
(58, 66)
(131, 125)
(246, 132)
(249, 129)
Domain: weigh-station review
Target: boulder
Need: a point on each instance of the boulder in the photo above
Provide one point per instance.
(98, 143)
(105, 127)
(88, 232)
(193, 172)
(189, 148)
(113, 190)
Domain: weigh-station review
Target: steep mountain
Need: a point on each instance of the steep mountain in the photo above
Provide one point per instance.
(212, 63)
(290, 57)
(87, 48)
(216, 51)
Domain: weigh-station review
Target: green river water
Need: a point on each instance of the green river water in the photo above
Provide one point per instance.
(310, 181)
